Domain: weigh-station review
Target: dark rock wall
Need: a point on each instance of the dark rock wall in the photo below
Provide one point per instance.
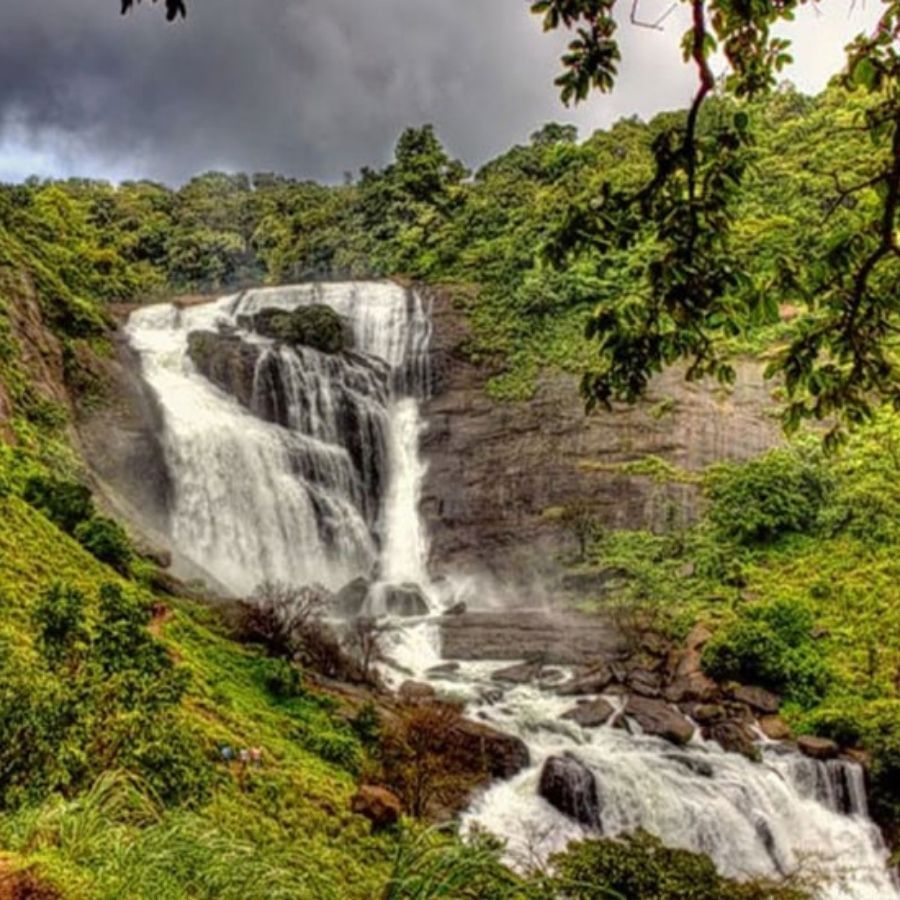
(496, 468)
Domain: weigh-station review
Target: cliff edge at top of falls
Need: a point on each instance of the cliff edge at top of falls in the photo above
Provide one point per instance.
(496, 468)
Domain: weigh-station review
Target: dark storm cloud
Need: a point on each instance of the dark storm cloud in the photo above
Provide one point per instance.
(307, 87)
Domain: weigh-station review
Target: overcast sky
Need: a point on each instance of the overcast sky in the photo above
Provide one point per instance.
(315, 88)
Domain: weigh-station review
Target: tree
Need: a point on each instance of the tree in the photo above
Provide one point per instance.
(843, 357)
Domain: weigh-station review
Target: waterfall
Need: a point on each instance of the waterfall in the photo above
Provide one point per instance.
(305, 467)
(315, 478)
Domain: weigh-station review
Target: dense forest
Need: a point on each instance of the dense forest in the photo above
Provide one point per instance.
(109, 729)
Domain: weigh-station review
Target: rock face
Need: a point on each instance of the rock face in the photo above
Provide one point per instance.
(379, 805)
(121, 441)
(561, 639)
(495, 469)
(658, 719)
(228, 361)
(569, 785)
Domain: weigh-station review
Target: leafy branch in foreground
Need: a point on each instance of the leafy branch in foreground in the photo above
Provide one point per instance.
(693, 291)
(174, 8)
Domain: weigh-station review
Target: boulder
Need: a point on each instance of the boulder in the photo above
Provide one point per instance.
(657, 718)
(520, 674)
(645, 683)
(405, 600)
(350, 600)
(734, 737)
(568, 785)
(416, 693)
(499, 754)
(591, 714)
(757, 698)
(704, 713)
(775, 728)
(458, 609)
(696, 687)
(443, 670)
(695, 764)
(377, 804)
(592, 682)
(817, 747)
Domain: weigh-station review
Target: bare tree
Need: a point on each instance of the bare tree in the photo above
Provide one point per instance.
(363, 640)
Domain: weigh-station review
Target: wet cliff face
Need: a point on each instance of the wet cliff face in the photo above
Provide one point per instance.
(496, 469)
(121, 442)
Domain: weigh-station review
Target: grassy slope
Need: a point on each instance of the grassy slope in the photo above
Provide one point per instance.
(284, 831)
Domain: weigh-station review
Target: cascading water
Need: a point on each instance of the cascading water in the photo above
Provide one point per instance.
(315, 475)
(319, 468)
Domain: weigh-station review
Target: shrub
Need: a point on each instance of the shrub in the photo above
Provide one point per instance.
(66, 503)
(761, 500)
(772, 646)
(283, 680)
(107, 541)
(639, 865)
(59, 620)
(316, 326)
(96, 696)
(366, 724)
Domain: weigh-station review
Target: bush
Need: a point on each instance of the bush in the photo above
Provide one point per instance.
(771, 646)
(761, 500)
(66, 503)
(96, 696)
(639, 865)
(317, 326)
(107, 541)
(283, 680)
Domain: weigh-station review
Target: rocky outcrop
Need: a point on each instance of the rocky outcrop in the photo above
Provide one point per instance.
(556, 639)
(817, 747)
(228, 361)
(377, 804)
(567, 784)
(121, 442)
(496, 469)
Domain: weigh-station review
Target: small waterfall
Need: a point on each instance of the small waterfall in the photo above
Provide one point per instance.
(753, 819)
(315, 478)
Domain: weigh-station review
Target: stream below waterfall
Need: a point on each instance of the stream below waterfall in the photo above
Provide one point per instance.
(330, 492)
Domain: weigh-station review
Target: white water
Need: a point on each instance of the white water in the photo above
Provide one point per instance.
(319, 500)
(255, 501)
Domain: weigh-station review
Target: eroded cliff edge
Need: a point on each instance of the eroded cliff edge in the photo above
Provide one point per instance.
(496, 469)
